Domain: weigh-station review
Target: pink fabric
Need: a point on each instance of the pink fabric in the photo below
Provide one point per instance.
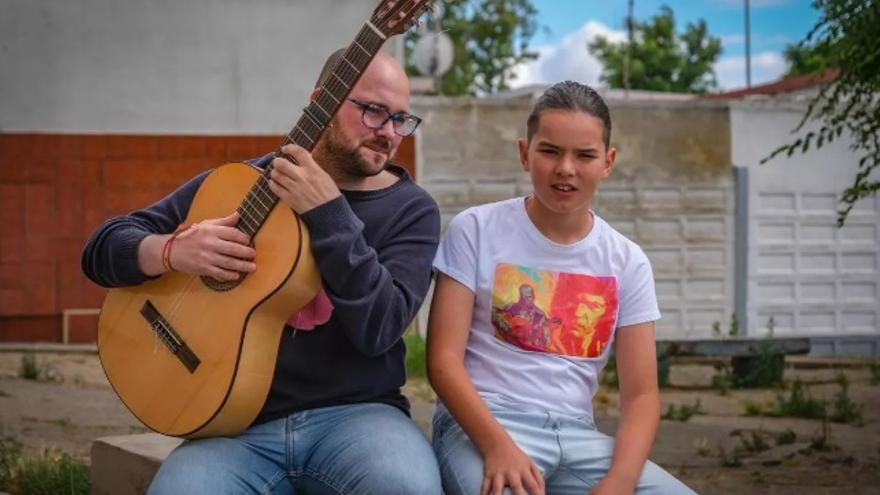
(316, 312)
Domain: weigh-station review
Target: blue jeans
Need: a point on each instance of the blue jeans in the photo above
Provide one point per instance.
(351, 449)
(571, 454)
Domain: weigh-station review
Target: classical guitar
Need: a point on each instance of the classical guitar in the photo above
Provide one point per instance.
(193, 356)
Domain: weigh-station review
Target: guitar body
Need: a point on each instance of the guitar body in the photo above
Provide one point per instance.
(217, 385)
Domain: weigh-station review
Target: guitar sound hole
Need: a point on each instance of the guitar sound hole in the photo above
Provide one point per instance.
(220, 285)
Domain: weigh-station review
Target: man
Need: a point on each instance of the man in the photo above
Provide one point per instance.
(335, 420)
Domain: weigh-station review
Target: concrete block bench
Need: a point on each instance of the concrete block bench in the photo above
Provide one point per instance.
(126, 464)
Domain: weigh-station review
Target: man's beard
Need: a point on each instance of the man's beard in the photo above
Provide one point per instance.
(345, 162)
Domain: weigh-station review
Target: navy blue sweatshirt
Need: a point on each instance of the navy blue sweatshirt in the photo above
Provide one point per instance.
(374, 250)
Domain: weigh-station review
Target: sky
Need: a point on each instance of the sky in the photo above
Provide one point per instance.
(566, 26)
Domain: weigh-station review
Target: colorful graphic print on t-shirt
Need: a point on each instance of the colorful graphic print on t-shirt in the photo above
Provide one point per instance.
(556, 312)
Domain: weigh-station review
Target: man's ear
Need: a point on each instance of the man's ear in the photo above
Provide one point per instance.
(523, 146)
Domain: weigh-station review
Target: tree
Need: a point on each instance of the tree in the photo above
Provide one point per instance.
(661, 60)
(490, 38)
(851, 102)
(805, 59)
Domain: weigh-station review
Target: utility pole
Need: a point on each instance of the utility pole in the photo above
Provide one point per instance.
(626, 59)
(748, 49)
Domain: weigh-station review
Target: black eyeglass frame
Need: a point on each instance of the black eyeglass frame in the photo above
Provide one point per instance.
(398, 118)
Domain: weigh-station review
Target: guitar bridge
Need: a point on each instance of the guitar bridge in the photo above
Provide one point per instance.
(169, 337)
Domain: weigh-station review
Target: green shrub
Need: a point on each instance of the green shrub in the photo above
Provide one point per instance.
(415, 356)
(32, 370)
(843, 409)
(53, 473)
(10, 451)
(799, 404)
(683, 412)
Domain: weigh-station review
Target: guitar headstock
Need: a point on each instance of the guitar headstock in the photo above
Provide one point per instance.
(396, 16)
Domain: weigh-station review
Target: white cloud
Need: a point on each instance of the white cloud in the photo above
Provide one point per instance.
(766, 67)
(733, 39)
(569, 59)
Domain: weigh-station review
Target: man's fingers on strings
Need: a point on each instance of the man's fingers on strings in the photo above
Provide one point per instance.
(232, 234)
(237, 251)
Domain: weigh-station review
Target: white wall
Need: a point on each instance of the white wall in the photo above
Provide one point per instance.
(809, 276)
(166, 66)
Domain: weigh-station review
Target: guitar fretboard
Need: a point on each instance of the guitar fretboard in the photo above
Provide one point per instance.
(313, 121)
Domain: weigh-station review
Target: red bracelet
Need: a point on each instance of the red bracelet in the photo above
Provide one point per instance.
(166, 249)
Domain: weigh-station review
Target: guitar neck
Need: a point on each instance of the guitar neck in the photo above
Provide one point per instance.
(320, 111)
(313, 121)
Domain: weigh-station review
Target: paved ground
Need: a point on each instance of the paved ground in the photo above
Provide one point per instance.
(77, 405)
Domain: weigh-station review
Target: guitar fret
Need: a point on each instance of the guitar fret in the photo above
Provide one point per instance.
(332, 96)
(263, 205)
(303, 133)
(341, 81)
(355, 43)
(315, 120)
(376, 30)
(325, 112)
(354, 67)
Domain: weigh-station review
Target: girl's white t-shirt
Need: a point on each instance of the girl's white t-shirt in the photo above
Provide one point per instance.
(545, 313)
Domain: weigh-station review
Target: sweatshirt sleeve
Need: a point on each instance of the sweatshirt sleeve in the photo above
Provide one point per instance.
(110, 256)
(376, 292)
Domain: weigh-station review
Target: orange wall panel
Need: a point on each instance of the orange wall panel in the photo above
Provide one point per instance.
(56, 189)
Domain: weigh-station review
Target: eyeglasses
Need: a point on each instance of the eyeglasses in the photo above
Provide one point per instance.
(375, 116)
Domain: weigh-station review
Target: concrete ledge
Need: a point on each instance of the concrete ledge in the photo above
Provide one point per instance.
(126, 464)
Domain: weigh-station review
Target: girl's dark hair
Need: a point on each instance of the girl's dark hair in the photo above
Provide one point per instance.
(570, 95)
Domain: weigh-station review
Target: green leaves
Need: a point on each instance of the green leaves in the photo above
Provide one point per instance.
(490, 38)
(843, 40)
(661, 59)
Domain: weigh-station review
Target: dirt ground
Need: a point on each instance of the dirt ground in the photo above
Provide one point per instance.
(76, 405)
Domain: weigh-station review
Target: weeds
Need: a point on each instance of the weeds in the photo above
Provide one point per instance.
(732, 331)
(822, 439)
(723, 380)
(32, 370)
(701, 447)
(10, 451)
(683, 412)
(799, 404)
(786, 437)
(843, 409)
(874, 368)
(754, 442)
(415, 355)
(608, 377)
(49, 473)
(729, 460)
(52, 472)
(753, 408)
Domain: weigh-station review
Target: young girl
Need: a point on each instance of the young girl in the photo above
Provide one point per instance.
(531, 293)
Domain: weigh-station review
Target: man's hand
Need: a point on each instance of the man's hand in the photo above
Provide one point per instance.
(507, 465)
(304, 185)
(214, 248)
